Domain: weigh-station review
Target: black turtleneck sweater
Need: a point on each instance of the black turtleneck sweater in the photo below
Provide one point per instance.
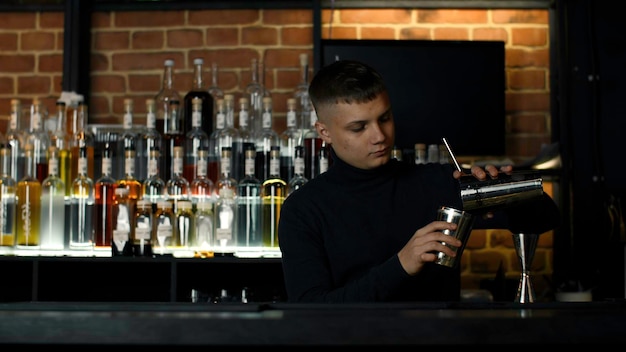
(340, 234)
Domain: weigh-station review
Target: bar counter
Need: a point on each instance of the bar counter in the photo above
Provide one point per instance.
(42, 324)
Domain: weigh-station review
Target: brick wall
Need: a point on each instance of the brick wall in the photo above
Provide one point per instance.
(128, 50)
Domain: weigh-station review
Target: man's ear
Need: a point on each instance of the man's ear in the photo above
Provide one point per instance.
(322, 131)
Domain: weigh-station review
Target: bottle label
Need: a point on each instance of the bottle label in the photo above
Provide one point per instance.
(243, 118)
(220, 120)
(151, 120)
(178, 166)
(274, 166)
(153, 170)
(298, 166)
(53, 166)
(291, 118)
(267, 120)
(196, 119)
(82, 166)
(201, 167)
(106, 166)
(128, 121)
(129, 166)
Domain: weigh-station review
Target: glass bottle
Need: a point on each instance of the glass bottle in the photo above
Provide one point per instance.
(195, 139)
(225, 217)
(28, 205)
(298, 180)
(141, 237)
(8, 188)
(172, 137)
(203, 230)
(129, 181)
(164, 97)
(81, 208)
(255, 93)
(249, 229)
(198, 91)
(324, 156)
(215, 91)
(246, 138)
(127, 140)
(266, 139)
(312, 147)
(214, 146)
(177, 187)
(149, 139)
(104, 193)
(301, 95)
(153, 188)
(289, 139)
(226, 180)
(52, 205)
(273, 193)
(61, 140)
(396, 153)
(39, 139)
(184, 224)
(82, 138)
(229, 135)
(420, 153)
(163, 234)
(202, 188)
(15, 140)
(122, 216)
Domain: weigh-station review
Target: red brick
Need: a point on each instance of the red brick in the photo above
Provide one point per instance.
(452, 16)
(51, 63)
(259, 36)
(375, 16)
(343, 32)
(477, 240)
(222, 36)
(39, 85)
(8, 41)
(184, 38)
(148, 39)
(527, 79)
(18, 20)
(450, 34)
(99, 62)
(7, 87)
(377, 33)
(101, 20)
(37, 41)
(149, 19)
(519, 16)
(146, 61)
(17, 63)
(108, 83)
(51, 19)
(529, 36)
(297, 36)
(499, 34)
(287, 16)
(224, 17)
(111, 40)
(522, 101)
(415, 33)
(518, 58)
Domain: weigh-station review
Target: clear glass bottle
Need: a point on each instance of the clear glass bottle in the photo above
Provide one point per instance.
(289, 139)
(229, 135)
(141, 236)
(396, 153)
(81, 208)
(172, 138)
(104, 192)
(226, 180)
(203, 238)
(39, 139)
(202, 188)
(198, 91)
(15, 139)
(420, 153)
(82, 138)
(215, 91)
(301, 95)
(273, 193)
(61, 140)
(28, 205)
(149, 139)
(225, 217)
(214, 145)
(325, 160)
(185, 222)
(177, 187)
(195, 139)
(164, 97)
(312, 147)
(249, 227)
(8, 187)
(266, 139)
(129, 181)
(52, 205)
(255, 93)
(164, 231)
(127, 140)
(246, 138)
(122, 217)
(153, 188)
(298, 180)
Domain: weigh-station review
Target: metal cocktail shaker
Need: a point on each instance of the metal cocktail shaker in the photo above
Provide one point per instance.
(494, 194)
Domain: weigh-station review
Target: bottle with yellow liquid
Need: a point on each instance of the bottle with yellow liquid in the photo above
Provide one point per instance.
(7, 201)
(28, 205)
(273, 193)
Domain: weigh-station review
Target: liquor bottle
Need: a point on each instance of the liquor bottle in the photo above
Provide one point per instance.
(229, 135)
(184, 224)
(225, 217)
(15, 140)
(177, 187)
(289, 139)
(195, 139)
(141, 237)
(52, 205)
(39, 139)
(324, 156)
(273, 193)
(226, 180)
(8, 188)
(164, 97)
(28, 205)
(122, 216)
(420, 153)
(249, 227)
(153, 188)
(172, 137)
(127, 140)
(214, 146)
(203, 231)
(201, 187)
(164, 232)
(215, 91)
(82, 206)
(312, 147)
(104, 193)
(255, 92)
(267, 138)
(298, 180)
(396, 153)
(433, 153)
(82, 138)
(61, 140)
(200, 92)
(301, 95)
(246, 138)
(149, 139)
(129, 181)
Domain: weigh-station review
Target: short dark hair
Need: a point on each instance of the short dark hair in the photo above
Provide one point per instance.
(345, 81)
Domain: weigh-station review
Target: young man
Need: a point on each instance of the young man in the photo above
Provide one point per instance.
(365, 230)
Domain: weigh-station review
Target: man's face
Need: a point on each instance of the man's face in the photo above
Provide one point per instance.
(361, 134)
